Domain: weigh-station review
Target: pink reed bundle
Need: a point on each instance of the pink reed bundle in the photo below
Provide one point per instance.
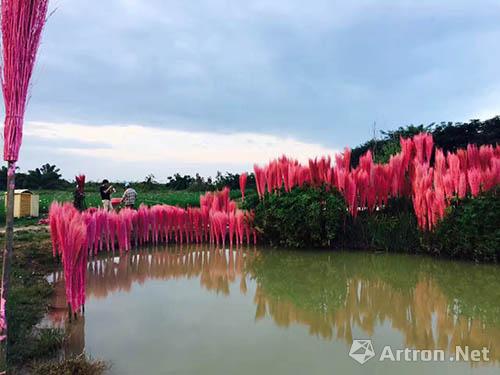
(69, 239)
(80, 182)
(243, 184)
(22, 25)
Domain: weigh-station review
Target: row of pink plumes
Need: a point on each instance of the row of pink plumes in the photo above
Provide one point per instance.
(76, 235)
(410, 173)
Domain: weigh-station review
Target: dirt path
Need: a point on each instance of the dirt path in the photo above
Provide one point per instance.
(26, 228)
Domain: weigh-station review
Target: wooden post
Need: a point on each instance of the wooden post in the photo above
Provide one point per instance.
(7, 256)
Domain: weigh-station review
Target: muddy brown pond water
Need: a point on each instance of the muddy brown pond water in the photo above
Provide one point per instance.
(196, 310)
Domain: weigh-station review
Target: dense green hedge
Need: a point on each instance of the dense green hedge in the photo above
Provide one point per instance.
(308, 218)
(471, 229)
(302, 218)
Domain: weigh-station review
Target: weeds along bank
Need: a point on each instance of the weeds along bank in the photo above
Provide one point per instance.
(33, 348)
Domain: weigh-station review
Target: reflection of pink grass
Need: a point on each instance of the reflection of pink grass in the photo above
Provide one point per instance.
(408, 173)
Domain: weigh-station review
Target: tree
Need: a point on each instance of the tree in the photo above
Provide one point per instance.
(447, 135)
(150, 179)
(45, 177)
(178, 182)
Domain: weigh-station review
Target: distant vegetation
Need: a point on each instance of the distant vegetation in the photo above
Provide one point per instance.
(45, 177)
(48, 177)
(447, 135)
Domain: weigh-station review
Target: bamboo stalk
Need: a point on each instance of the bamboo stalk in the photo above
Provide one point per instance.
(7, 256)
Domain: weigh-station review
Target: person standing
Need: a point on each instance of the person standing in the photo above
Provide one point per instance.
(129, 196)
(106, 190)
(79, 199)
(79, 194)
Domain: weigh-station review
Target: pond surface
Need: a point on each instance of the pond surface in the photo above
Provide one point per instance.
(196, 310)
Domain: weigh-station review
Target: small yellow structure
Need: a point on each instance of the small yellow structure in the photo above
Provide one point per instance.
(25, 203)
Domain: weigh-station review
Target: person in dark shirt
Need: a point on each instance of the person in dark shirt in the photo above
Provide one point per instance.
(106, 190)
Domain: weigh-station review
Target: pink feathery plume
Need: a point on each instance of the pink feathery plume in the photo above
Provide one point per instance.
(486, 154)
(462, 185)
(80, 182)
(407, 151)
(366, 162)
(243, 183)
(347, 158)
(22, 25)
(54, 214)
(351, 194)
(473, 158)
(269, 177)
(260, 180)
(474, 178)
(3, 321)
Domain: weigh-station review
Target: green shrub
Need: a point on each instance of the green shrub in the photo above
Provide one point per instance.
(317, 218)
(393, 228)
(471, 229)
(304, 217)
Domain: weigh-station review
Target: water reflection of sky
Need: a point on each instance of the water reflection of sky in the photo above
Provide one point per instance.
(197, 310)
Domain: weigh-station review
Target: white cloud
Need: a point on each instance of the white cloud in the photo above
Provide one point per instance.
(137, 143)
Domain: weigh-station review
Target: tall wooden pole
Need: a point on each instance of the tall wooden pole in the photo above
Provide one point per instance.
(7, 256)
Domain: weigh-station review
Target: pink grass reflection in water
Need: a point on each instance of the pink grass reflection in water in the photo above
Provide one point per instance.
(199, 309)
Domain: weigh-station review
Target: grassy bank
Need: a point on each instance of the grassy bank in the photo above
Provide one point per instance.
(30, 347)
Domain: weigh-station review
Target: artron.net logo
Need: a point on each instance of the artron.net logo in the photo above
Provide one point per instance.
(362, 351)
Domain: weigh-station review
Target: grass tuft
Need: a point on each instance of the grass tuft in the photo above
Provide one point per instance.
(79, 365)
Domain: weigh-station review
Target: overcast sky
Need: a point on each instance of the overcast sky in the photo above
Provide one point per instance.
(124, 88)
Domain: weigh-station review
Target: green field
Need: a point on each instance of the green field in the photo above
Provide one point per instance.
(175, 198)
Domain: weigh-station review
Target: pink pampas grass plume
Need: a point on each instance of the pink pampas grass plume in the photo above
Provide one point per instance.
(243, 183)
(22, 25)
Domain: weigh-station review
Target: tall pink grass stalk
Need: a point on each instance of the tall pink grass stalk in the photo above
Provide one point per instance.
(243, 184)
(22, 25)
